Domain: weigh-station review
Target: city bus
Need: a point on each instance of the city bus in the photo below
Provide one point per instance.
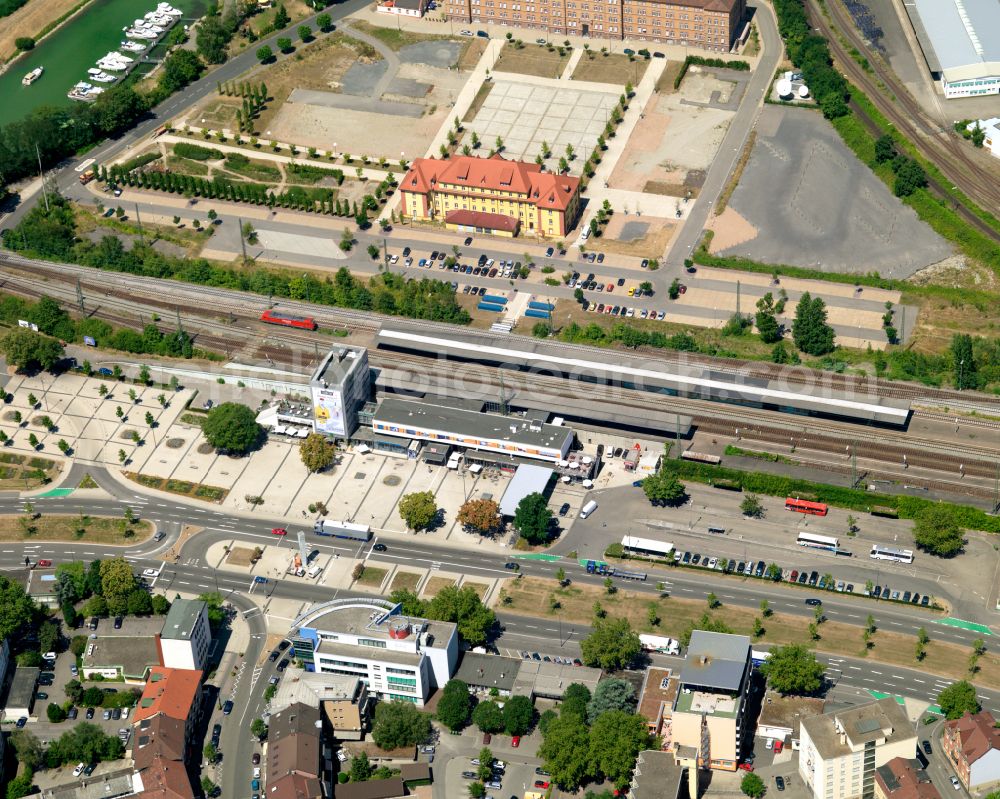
(891, 553)
(819, 541)
(805, 506)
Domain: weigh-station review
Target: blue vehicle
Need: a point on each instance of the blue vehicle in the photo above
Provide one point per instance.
(260, 580)
(254, 785)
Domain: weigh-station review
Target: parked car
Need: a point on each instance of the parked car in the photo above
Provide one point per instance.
(955, 783)
(283, 664)
(779, 781)
(79, 769)
(564, 509)
(926, 745)
(515, 741)
(119, 620)
(227, 708)
(90, 713)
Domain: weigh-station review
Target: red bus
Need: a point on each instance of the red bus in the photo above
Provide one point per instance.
(288, 320)
(804, 506)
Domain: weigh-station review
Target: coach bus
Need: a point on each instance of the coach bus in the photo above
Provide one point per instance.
(891, 553)
(827, 542)
(288, 320)
(805, 506)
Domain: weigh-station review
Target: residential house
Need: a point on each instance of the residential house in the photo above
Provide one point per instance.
(972, 744)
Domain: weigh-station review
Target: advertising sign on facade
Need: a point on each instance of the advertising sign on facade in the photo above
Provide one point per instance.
(328, 411)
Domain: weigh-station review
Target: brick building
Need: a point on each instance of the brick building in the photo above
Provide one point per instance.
(903, 778)
(972, 744)
(708, 24)
(491, 195)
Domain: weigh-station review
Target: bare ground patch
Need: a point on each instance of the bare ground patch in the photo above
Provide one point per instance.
(532, 59)
(652, 245)
(435, 585)
(240, 556)
(407, 581)
(610, 68)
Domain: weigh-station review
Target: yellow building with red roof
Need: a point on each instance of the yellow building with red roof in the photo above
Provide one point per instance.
(490, 195)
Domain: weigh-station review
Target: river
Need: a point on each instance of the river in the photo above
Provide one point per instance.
(68, 53)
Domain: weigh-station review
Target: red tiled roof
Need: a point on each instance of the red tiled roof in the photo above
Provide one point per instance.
(165, 779)
(905, 780)
(496, 173)
(172, 692)
(481, 219)
(977, 734)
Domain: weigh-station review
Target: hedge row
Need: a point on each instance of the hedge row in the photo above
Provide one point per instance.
(139, 161)
(197, 153)
(850, 498)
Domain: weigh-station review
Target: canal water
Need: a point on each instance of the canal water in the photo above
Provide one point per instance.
(69, 52)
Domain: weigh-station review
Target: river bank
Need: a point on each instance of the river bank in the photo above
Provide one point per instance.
(35, 21)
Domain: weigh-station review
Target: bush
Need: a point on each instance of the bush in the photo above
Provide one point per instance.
(196, 153)
(24, 43)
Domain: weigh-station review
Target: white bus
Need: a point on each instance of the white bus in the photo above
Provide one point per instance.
(827, 542)
(661, 644)
(891, 553)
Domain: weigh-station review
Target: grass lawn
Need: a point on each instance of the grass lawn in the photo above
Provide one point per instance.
(436, 584)
(479, 588)
(397, 39)
(665, 85)
(52, 527)
(610, 68)
(477, 101)
(259, 171)
(407, 580)
(185, 166)
(24, 472)
(532, 59)
(529, 594)
(372, 576)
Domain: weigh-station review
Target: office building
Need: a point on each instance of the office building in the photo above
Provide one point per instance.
(397, 422)
(960, 44)
(709, 719)
(343, 701)
(125, 657)
(491, 195)
(397, 656)
(340, 387)
(903, 778)
(841, 750)
(186, 636)
(707, 24)
(972, 744)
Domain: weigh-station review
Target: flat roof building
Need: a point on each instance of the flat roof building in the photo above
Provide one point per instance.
(103, 786)
(656, 776)
(343, 700)
(402, 420)
(841, 750)
(21, 695)
(528, 479)
(128, 657)
(549, 680)
(656, 702)
(340, 387)
(960, 43)
(781, 717)
(186, 636)
(709, 718)
(398, 656)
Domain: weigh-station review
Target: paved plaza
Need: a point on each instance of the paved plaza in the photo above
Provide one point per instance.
(524, 115)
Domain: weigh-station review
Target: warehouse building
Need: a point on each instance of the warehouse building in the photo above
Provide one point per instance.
(960, 44)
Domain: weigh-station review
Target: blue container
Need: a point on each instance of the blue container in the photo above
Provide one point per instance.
(495, 298)
(541, 306)
(490, 306)
(536, 314)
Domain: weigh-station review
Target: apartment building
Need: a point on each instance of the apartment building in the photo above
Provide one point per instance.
(398, 657)
(491, 195)
(186, 636)
(972, 744)
(707, 24)
(709, 718)
(841, 751)
(294, 754)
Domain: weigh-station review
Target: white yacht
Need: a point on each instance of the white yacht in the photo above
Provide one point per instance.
(32, 76)
(104, 77)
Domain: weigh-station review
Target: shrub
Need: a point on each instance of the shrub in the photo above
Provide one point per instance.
(196, 153)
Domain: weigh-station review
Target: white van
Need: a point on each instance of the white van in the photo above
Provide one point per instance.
(587, 509)
(314, 571)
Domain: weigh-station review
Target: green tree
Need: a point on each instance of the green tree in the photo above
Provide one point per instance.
(179, 69)
(232, 427)
(485, 763)
(566, 752)
(752, 785)
(207, 786)
(476, 790)
(532, 518)
(463, 607)
(210, 753)
(74, 691)
(419, 510)
(612, 644)
(160, 604)
(576, 699)
(708, 623)
(885, 149)
(611, 694)
(21, 785)
(713, 601)
(793, 669)
(323, 22)
(361, 768)
(936, 531)
(28, 749)
(958, 698)
(281, 18)
(663, 488)
(117, 582)
(284, 44)
(26, 349)
(752, 507)
(964, 362)
(317, 452)
(616, 738)
(258, 729)
(810, 331)
(264, 54)
(305, 33)
(910, 176)
(55, 713)
(16, 607)
(398, 724)
(453, 706)
(488, 717)
(767, 324)
(139, 603)
(518, 715)
(144, 375)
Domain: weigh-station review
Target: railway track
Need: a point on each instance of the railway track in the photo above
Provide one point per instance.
(941, 147)
(230, 305)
